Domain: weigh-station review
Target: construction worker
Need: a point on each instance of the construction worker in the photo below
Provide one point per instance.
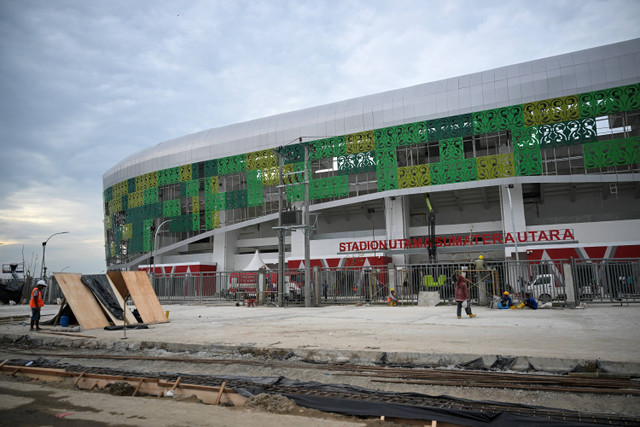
(479, 263)
(528, 301)
(462, 296)
(36, 304)
(392, 299)
(505, 301)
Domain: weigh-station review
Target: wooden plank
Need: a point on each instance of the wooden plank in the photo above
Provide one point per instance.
(84, 305)
(130, 318)
(118, 281)
(66, 334)
(176, 384)
(224, 383)
(138, 387)
(79, 378)
(143, 296)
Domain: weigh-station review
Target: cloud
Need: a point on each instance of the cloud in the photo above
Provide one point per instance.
(86, 84)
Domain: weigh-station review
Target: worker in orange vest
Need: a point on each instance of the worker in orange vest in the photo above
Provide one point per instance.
(36, 304)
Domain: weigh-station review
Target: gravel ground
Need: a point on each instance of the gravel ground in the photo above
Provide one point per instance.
(592, 333)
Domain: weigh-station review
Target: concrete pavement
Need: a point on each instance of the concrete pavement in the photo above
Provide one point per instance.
(603, 337)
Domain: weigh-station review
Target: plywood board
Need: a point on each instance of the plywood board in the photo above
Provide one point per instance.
(143, 296)
(85, 307)
(118, 281)
(127, 312)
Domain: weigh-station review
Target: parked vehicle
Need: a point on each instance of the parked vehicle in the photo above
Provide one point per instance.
(546, 288)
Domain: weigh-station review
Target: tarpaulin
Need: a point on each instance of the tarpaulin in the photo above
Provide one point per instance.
(102, 290)
(368, 407)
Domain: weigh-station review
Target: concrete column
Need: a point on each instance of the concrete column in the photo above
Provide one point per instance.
(224, 250)
(396, 214)
(568, 285)
(316, 284)
(261, 287)
(513, 214)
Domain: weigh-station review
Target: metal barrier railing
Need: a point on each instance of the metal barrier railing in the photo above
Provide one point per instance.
(557, 281)
(607, 280)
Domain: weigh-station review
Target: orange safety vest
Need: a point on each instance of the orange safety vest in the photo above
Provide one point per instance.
(36, 298)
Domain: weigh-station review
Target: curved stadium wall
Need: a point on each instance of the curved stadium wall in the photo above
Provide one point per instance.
(507, 123)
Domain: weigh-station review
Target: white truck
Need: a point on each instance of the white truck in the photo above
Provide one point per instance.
(545, 288)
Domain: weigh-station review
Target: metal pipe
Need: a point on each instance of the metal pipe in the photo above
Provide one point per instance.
(307, 231)
(513, 223)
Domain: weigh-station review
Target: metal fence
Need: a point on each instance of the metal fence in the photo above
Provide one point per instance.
(557, 281)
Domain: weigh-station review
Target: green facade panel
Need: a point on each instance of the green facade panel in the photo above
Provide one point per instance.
(131, 206)
(450, 127)
(499, 119)
(617, 152)
(327, 148)
(609, 101)
(398, 136)
(232, 164)
(337, 186)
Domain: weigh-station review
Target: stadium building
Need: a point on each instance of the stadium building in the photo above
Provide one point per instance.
(539, 160)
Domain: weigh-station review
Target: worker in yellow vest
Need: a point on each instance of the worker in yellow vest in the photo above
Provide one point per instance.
(392, 299)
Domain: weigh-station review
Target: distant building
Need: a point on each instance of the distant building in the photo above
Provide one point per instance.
(542, 156)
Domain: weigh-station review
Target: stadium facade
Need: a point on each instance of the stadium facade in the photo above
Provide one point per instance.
(539, 159)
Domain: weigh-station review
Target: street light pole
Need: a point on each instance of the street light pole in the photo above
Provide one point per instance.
(44, 246)
(155, 240)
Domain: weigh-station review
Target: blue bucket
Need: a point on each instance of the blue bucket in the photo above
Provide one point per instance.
(64, 321)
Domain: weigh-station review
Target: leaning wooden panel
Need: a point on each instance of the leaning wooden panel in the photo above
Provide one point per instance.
(118, 281)
(127, 312)
(144, 297)
(84, 305)
(103, 281)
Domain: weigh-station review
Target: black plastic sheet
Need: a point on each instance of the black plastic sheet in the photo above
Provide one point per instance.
(11, 291)
(121, 327)
(368, 408)
(101, 288)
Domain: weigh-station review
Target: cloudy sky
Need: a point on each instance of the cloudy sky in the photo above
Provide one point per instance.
(86, 83)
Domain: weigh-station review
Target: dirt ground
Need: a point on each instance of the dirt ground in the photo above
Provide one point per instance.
(27, 403)
(593, 333)
(100, 406)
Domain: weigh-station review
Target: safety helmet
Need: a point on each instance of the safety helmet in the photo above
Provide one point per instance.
(41, 283)
(506, 293)
(481, 257)
(392, 289)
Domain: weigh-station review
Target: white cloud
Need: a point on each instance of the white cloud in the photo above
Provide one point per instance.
(85, 84)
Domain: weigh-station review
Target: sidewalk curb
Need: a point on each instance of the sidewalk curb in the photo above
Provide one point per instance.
(380, 358)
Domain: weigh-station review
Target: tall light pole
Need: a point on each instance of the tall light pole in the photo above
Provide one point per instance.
(155, 240)
(44, 246)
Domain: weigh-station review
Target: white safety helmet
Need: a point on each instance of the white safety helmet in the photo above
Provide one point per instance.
(42, 283)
